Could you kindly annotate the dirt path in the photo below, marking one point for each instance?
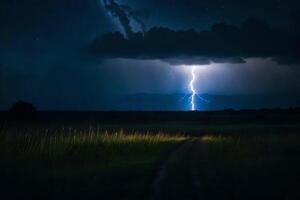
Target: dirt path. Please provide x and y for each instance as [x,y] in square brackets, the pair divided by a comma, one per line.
[230,169]
[177,177]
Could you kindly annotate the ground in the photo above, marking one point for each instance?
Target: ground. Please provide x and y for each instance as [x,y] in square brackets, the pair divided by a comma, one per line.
[165,155]
[231,168]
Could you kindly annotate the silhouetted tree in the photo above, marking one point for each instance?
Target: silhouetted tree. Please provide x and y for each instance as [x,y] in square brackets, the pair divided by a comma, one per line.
[22,110]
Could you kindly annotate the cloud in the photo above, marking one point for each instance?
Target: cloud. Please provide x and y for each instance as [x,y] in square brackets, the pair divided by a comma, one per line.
[139,16]
[186,60]
[222,43]
[126,15]
[116,10]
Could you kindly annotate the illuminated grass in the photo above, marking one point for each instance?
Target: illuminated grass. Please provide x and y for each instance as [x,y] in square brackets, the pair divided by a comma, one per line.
[85,164]
[85,146]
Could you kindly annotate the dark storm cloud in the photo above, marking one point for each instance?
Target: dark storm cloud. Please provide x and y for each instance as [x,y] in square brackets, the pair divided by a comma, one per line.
[116,10]
[183,14]
[223,43]
[202,60]
[125,14]
[138,16]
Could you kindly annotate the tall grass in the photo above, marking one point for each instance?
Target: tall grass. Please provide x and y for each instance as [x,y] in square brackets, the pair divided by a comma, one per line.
[89,146]
[73,164]
[251,146]
[251,167]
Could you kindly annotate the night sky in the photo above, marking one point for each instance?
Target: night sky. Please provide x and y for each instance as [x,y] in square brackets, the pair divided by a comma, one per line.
[137,55]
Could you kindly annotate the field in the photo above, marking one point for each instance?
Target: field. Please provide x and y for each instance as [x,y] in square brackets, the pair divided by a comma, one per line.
[165,155]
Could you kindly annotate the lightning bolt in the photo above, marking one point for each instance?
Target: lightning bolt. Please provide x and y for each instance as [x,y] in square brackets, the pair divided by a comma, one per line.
[192,89]
[193,93]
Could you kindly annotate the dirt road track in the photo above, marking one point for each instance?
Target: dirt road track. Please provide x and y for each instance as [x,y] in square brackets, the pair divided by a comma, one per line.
[177,177]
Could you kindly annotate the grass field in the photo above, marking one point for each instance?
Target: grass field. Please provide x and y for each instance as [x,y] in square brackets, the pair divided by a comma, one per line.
[235,167]
[80,165]
[220,158]
[260,167]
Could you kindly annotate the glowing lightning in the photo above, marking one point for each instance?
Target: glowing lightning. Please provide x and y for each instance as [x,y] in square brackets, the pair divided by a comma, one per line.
[192,88]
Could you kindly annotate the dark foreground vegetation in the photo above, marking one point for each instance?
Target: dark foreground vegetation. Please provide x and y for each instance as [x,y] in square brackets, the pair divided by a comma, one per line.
[151,155]
[79,165]
[213,167]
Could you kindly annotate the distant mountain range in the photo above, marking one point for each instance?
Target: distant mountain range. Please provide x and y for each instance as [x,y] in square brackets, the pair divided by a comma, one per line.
[167,102]
[205,102]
